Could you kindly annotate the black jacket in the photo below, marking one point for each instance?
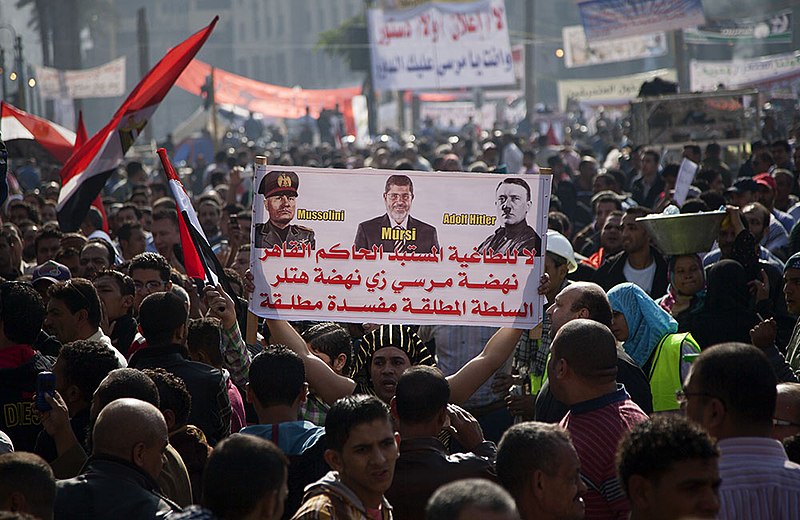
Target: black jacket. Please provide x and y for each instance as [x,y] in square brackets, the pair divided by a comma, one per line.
[111,488]
[369,234]
[612,273]
[17,386]
[211,408]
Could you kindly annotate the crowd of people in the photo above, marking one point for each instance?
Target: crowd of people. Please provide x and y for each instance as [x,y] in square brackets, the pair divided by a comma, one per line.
[658,387]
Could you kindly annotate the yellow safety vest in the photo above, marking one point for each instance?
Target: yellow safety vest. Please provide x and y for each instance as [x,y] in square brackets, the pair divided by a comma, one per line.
[665,372]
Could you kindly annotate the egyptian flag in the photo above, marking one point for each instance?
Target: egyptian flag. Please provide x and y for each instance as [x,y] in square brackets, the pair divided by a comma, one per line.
[29,136]
[80,139]
[88,169]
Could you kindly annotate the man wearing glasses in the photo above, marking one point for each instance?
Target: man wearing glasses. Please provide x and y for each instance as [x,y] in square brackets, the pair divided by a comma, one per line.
[397,230]
[150,273]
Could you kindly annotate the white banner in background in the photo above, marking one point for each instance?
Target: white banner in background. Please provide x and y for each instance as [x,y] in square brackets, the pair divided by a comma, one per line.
[580,53]
[708,75]
[441,45]
[107,80]
[599,90]
[470,257]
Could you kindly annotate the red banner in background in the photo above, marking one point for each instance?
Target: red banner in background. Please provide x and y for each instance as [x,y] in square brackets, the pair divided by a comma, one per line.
[267,99]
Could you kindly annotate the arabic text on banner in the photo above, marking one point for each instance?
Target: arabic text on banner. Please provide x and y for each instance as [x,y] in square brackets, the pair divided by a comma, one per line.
[580,53]
[439,45]
[770,28]
[707,75]
[467,250]
[107,80]
[608,90]
[608,19]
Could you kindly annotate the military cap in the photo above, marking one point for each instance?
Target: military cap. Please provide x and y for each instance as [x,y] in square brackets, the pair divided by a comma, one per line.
[279,183]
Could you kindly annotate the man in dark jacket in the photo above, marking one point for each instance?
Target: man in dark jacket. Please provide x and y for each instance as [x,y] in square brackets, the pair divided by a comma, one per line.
[421,411]
[638,262]
[164,323]
[21,317]
[119,481]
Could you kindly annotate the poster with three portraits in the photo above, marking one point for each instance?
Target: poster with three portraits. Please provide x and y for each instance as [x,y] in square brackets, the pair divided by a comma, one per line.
[385,246]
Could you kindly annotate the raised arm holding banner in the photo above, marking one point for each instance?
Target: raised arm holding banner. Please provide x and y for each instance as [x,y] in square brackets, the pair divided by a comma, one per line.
[446,248]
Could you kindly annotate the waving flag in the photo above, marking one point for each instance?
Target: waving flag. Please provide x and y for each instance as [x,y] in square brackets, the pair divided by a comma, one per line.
[29,136]
[80,138]
[88,169]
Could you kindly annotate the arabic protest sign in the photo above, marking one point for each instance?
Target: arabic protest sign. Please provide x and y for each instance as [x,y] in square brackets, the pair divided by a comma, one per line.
[580,53]
[466,251]
[107,80]
[608,90]
[775,28]
[441,45]
[608,19]
[708,75]
[685,178]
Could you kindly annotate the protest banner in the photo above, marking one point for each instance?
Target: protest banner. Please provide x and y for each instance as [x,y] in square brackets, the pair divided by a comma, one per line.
[609,19]
[472,257]
[707,75]
[608,90]
[107,80]
[579,53]
[769,28]
[685,179]
[441,45]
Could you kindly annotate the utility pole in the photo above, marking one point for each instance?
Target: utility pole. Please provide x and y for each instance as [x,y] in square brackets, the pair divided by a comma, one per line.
[144,56]
[3,71]
[20,75]
[530,58]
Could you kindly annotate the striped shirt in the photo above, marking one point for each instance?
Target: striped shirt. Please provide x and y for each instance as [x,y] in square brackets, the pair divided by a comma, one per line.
[758,480]
[596,427]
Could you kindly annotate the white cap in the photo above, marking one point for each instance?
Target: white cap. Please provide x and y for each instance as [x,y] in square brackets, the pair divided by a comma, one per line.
[558,244]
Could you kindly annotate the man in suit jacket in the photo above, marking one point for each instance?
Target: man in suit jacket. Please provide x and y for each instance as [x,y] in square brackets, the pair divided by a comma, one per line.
[279,189]
[396,230]
[513,200]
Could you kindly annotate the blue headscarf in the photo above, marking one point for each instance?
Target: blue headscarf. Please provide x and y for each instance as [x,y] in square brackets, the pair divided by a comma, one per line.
[647,322]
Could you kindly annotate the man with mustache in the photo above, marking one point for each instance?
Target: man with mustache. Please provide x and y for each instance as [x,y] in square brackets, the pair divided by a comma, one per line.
[513,200]
[279,189]
[397,230]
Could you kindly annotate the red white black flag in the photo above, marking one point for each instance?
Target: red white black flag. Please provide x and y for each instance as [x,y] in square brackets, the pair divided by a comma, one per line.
[88,169]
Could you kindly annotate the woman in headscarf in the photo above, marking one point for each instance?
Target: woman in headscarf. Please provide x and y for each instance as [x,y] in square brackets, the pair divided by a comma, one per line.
[649,335]
[686,291]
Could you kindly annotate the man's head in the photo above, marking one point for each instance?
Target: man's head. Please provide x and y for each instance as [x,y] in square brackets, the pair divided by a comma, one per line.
[73,310]
[398,195]
[668,469]
[635,237]
[786,420]
[163,319]
[27,485]
[421,397]
[791,284]
[116,291]
[471,498]
[245,477]
[150,273]
[208,214]
[743,192]
[166,234]
[781,152]
[716,398]
[134,431]
[174,399]
[513,200]
[579,300]
[583,361]
[92,221]
[47,244]
[204,340]
[757,217]
[538,465]
[611,234]
[331,343]
[279,189]
[277,379]
[362,446]
[96,255]
[21,312]
[80,367]
[123,382]
[559,259]
[650,162]
[767,187]
[762,162]
[48,273]
[129,214]
[132,240]
[604,203]
[693,153]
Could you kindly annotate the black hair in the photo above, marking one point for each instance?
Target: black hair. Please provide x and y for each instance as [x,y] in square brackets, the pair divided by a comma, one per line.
[518,182]
[652,447]
[30,475]
[781,143]
[422,392]
[48,231]
[240,471]
[205,334]
[166,214]
[525,448]
[126,382]
[331,339]
[172,394]
[22,311]
[94,218]
[398,180]
[30,209]
[694,206]
[160,315]
[451,499]
[132,207]
[153,261]
[78,294]
[123,281]
[277,376]
[86,363]
[719,372]
[111,254]
[349,412]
